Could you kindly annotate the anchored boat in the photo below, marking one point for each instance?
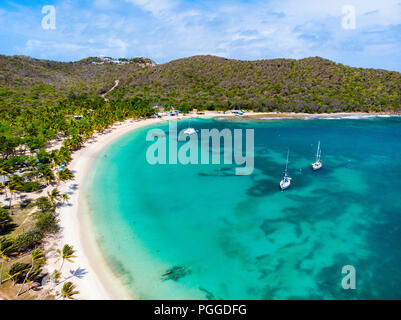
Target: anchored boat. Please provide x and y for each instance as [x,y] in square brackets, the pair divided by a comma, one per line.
[190,131]
[318,164]
[286,181]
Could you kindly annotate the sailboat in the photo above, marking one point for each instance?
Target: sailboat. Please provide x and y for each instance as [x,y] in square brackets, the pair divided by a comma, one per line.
[190,131]
[317,165]
[286,182]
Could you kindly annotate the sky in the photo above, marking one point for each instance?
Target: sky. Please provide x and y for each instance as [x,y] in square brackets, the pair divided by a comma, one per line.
[360,33]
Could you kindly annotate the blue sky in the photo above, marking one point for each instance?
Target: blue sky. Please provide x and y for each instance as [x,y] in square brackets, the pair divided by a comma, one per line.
[165,30]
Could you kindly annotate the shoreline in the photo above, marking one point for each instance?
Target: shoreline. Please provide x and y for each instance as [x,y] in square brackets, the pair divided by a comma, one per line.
[93,276]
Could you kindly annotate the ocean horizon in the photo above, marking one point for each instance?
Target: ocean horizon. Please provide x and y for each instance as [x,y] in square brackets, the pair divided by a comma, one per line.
[240,237]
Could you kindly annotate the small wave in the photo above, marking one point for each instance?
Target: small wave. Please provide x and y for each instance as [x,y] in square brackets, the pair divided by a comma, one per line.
[360,116]
[289,118]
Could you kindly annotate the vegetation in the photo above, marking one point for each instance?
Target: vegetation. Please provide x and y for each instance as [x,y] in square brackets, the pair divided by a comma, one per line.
[20,241]
[66,254]
[17,271]
[7,249]
[38,258]
[68,290]
[5,219]
[311,85]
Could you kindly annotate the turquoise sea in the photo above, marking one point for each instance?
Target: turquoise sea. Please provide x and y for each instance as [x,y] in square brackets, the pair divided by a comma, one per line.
[240,237]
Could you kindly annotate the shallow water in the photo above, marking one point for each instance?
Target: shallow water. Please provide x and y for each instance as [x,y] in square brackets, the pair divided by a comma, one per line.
[240,236]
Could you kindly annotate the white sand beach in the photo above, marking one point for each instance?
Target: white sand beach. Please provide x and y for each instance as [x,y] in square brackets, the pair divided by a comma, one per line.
[89,270]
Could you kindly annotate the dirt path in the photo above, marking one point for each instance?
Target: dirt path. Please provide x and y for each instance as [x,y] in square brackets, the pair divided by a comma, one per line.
[115,86]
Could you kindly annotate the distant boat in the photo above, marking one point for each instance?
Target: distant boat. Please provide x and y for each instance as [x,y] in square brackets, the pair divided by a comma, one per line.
[286,182]
[190,131]
[318,164]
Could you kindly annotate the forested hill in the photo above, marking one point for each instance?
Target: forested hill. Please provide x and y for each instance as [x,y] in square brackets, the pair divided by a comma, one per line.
[307,85]
[25,75]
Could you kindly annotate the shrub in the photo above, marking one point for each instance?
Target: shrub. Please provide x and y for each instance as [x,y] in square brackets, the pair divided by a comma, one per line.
[44,204]
[43,156]
[29,240]
[47,222]
[32,186]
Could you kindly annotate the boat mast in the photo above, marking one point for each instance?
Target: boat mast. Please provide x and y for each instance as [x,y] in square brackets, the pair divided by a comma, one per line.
[286,164]
[318,153]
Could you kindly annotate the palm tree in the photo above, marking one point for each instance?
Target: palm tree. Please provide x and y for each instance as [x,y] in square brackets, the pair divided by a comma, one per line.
[54,196]
[67,253]
[7,249]
[15,271]
[38,256]
[65,175]
[55,276]
[68,290]
[13,188]
[65,197]
[5,219]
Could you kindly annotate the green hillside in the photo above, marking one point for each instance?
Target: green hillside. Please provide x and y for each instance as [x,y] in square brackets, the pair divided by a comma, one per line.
[307,85]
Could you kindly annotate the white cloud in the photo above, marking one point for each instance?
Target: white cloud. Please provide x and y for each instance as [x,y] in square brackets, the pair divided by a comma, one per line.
[156,7]
[169,29]
[103,4]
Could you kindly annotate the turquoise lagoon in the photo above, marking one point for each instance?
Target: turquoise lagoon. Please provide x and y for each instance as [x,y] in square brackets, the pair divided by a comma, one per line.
[240,236]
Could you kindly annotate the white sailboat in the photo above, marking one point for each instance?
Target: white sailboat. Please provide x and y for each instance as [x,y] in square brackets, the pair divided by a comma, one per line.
[286,181]
[318,164]
[190,131]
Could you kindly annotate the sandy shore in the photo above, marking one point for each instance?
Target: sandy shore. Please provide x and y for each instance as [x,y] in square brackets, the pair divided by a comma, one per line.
[89,270]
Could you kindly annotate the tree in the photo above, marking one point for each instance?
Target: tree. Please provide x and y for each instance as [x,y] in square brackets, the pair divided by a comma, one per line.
[37,257]
[46,222]
[5,219]
[7,249]
[46,173]
[61,155]
[28,240]
[54,196]
[44,204]
[65,175]
[74,143]
[8,145]
[17,270]
[43,157]
[68,290]
[67,253]
[14,187]
[65,197]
